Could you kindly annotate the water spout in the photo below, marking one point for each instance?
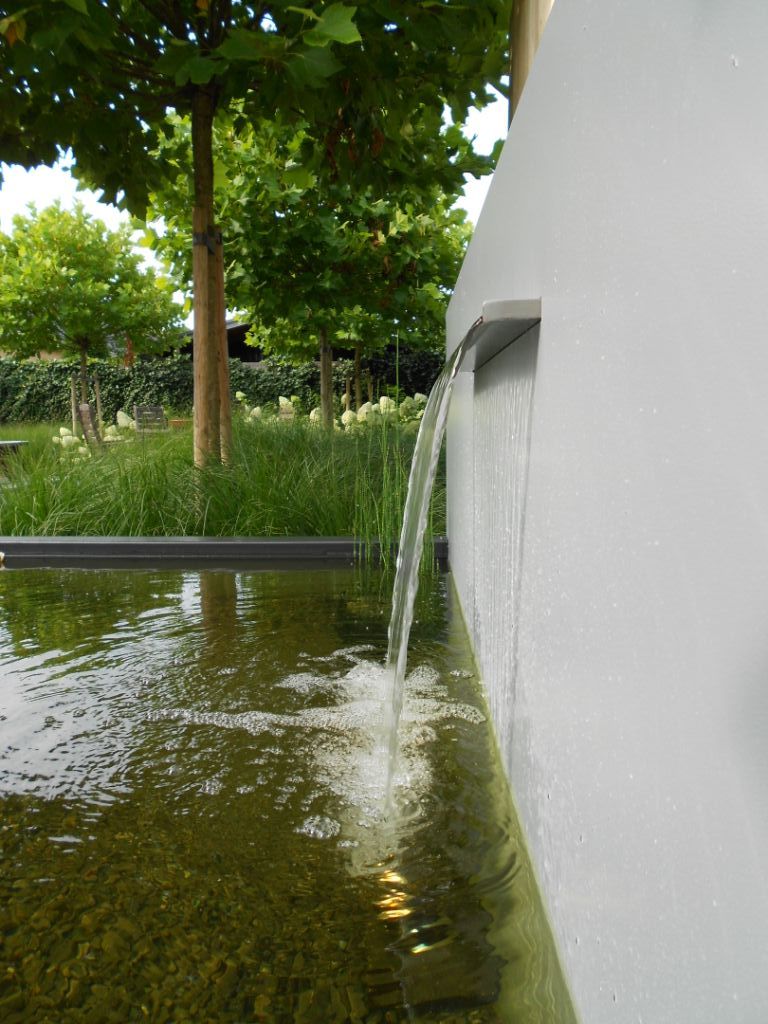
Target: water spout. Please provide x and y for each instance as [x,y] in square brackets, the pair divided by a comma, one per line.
[501,323]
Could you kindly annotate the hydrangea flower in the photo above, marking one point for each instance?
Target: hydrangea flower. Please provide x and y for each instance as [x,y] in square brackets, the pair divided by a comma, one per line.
[124,421]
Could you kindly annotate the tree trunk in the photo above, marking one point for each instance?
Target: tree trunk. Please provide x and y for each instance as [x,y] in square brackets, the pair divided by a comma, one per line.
[73,402]
[326,379]
[205,341]
[83,375]
[358,380]
[526,25]
[97,396]
[225,411]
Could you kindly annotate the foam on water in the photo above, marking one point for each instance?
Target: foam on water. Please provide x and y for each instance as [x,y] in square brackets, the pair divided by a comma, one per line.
[346,742]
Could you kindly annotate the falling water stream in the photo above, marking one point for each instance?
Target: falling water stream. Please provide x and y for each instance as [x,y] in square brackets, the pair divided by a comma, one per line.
[420,483]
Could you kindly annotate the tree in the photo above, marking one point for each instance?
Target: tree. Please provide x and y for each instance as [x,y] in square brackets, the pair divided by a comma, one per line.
[100,75]
[69,285]
[313,260]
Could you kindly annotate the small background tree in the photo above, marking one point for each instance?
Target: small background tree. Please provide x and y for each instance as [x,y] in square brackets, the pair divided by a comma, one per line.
[316,260]
[71,286]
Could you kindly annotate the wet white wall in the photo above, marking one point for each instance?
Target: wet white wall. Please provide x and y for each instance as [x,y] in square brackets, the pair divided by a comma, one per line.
[610,543]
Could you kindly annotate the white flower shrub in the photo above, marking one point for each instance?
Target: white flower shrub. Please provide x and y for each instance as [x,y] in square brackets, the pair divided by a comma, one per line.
[124,421]
[408,412]
[74,448]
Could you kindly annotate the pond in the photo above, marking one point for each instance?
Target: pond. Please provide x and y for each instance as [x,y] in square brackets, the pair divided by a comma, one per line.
[191,782]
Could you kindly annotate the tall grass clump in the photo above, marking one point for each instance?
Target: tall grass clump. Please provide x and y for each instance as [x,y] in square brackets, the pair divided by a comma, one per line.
[285,479]
[383,462]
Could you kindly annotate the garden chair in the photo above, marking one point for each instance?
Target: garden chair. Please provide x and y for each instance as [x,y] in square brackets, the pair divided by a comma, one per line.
[150,419]
[89,424]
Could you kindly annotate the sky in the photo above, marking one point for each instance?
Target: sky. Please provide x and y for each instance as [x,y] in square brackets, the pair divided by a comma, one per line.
[44,185]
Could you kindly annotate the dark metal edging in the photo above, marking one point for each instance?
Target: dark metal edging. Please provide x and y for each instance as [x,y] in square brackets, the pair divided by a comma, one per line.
[192,552]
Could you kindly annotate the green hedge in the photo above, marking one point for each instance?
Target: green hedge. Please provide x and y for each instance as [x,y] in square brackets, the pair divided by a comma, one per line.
[36,391]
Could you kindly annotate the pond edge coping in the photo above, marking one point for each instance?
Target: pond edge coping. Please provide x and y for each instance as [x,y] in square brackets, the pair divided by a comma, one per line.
[195,552]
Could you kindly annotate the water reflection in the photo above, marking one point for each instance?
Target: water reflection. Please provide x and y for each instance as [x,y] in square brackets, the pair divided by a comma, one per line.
[191,781]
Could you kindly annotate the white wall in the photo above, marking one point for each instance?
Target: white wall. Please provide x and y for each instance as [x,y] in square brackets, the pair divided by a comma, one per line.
[632,702]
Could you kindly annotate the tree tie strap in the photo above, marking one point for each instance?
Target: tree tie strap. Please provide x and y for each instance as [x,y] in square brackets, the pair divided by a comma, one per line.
[210,239]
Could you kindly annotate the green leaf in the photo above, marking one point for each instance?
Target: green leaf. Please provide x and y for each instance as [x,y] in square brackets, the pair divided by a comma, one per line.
[244,44]
[305,11]
[335,25]
[300,177]
[312,65]
[53,36]
[241,44]
[496,151]
[175,56]
[198,70]
[220,177]
[78,5]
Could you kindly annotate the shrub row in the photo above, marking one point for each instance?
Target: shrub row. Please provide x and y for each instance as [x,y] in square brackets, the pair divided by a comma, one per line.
[37,391]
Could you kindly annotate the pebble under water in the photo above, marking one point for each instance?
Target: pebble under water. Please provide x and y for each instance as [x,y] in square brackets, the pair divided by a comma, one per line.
[192,773]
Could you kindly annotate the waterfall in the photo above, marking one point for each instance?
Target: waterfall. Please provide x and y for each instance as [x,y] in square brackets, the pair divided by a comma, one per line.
[420,483]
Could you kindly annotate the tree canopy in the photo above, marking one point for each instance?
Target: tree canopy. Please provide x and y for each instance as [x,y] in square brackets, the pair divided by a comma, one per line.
[309,257]
[70,285]
[84,73]
[99,76]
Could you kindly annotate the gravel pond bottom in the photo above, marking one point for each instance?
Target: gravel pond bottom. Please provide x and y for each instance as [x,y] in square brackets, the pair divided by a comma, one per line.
[192,775]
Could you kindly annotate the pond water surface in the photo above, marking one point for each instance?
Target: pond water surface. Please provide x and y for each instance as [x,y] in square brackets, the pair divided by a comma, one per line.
[192,771]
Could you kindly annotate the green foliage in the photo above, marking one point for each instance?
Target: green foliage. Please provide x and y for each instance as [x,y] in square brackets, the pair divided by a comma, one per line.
[286,479]
[370,80]
[410,370]
[99,76]
[310,255]
[69,285]
[37,391]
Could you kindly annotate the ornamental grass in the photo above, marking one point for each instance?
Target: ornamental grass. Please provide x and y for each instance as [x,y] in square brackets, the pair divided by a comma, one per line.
[286,478]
